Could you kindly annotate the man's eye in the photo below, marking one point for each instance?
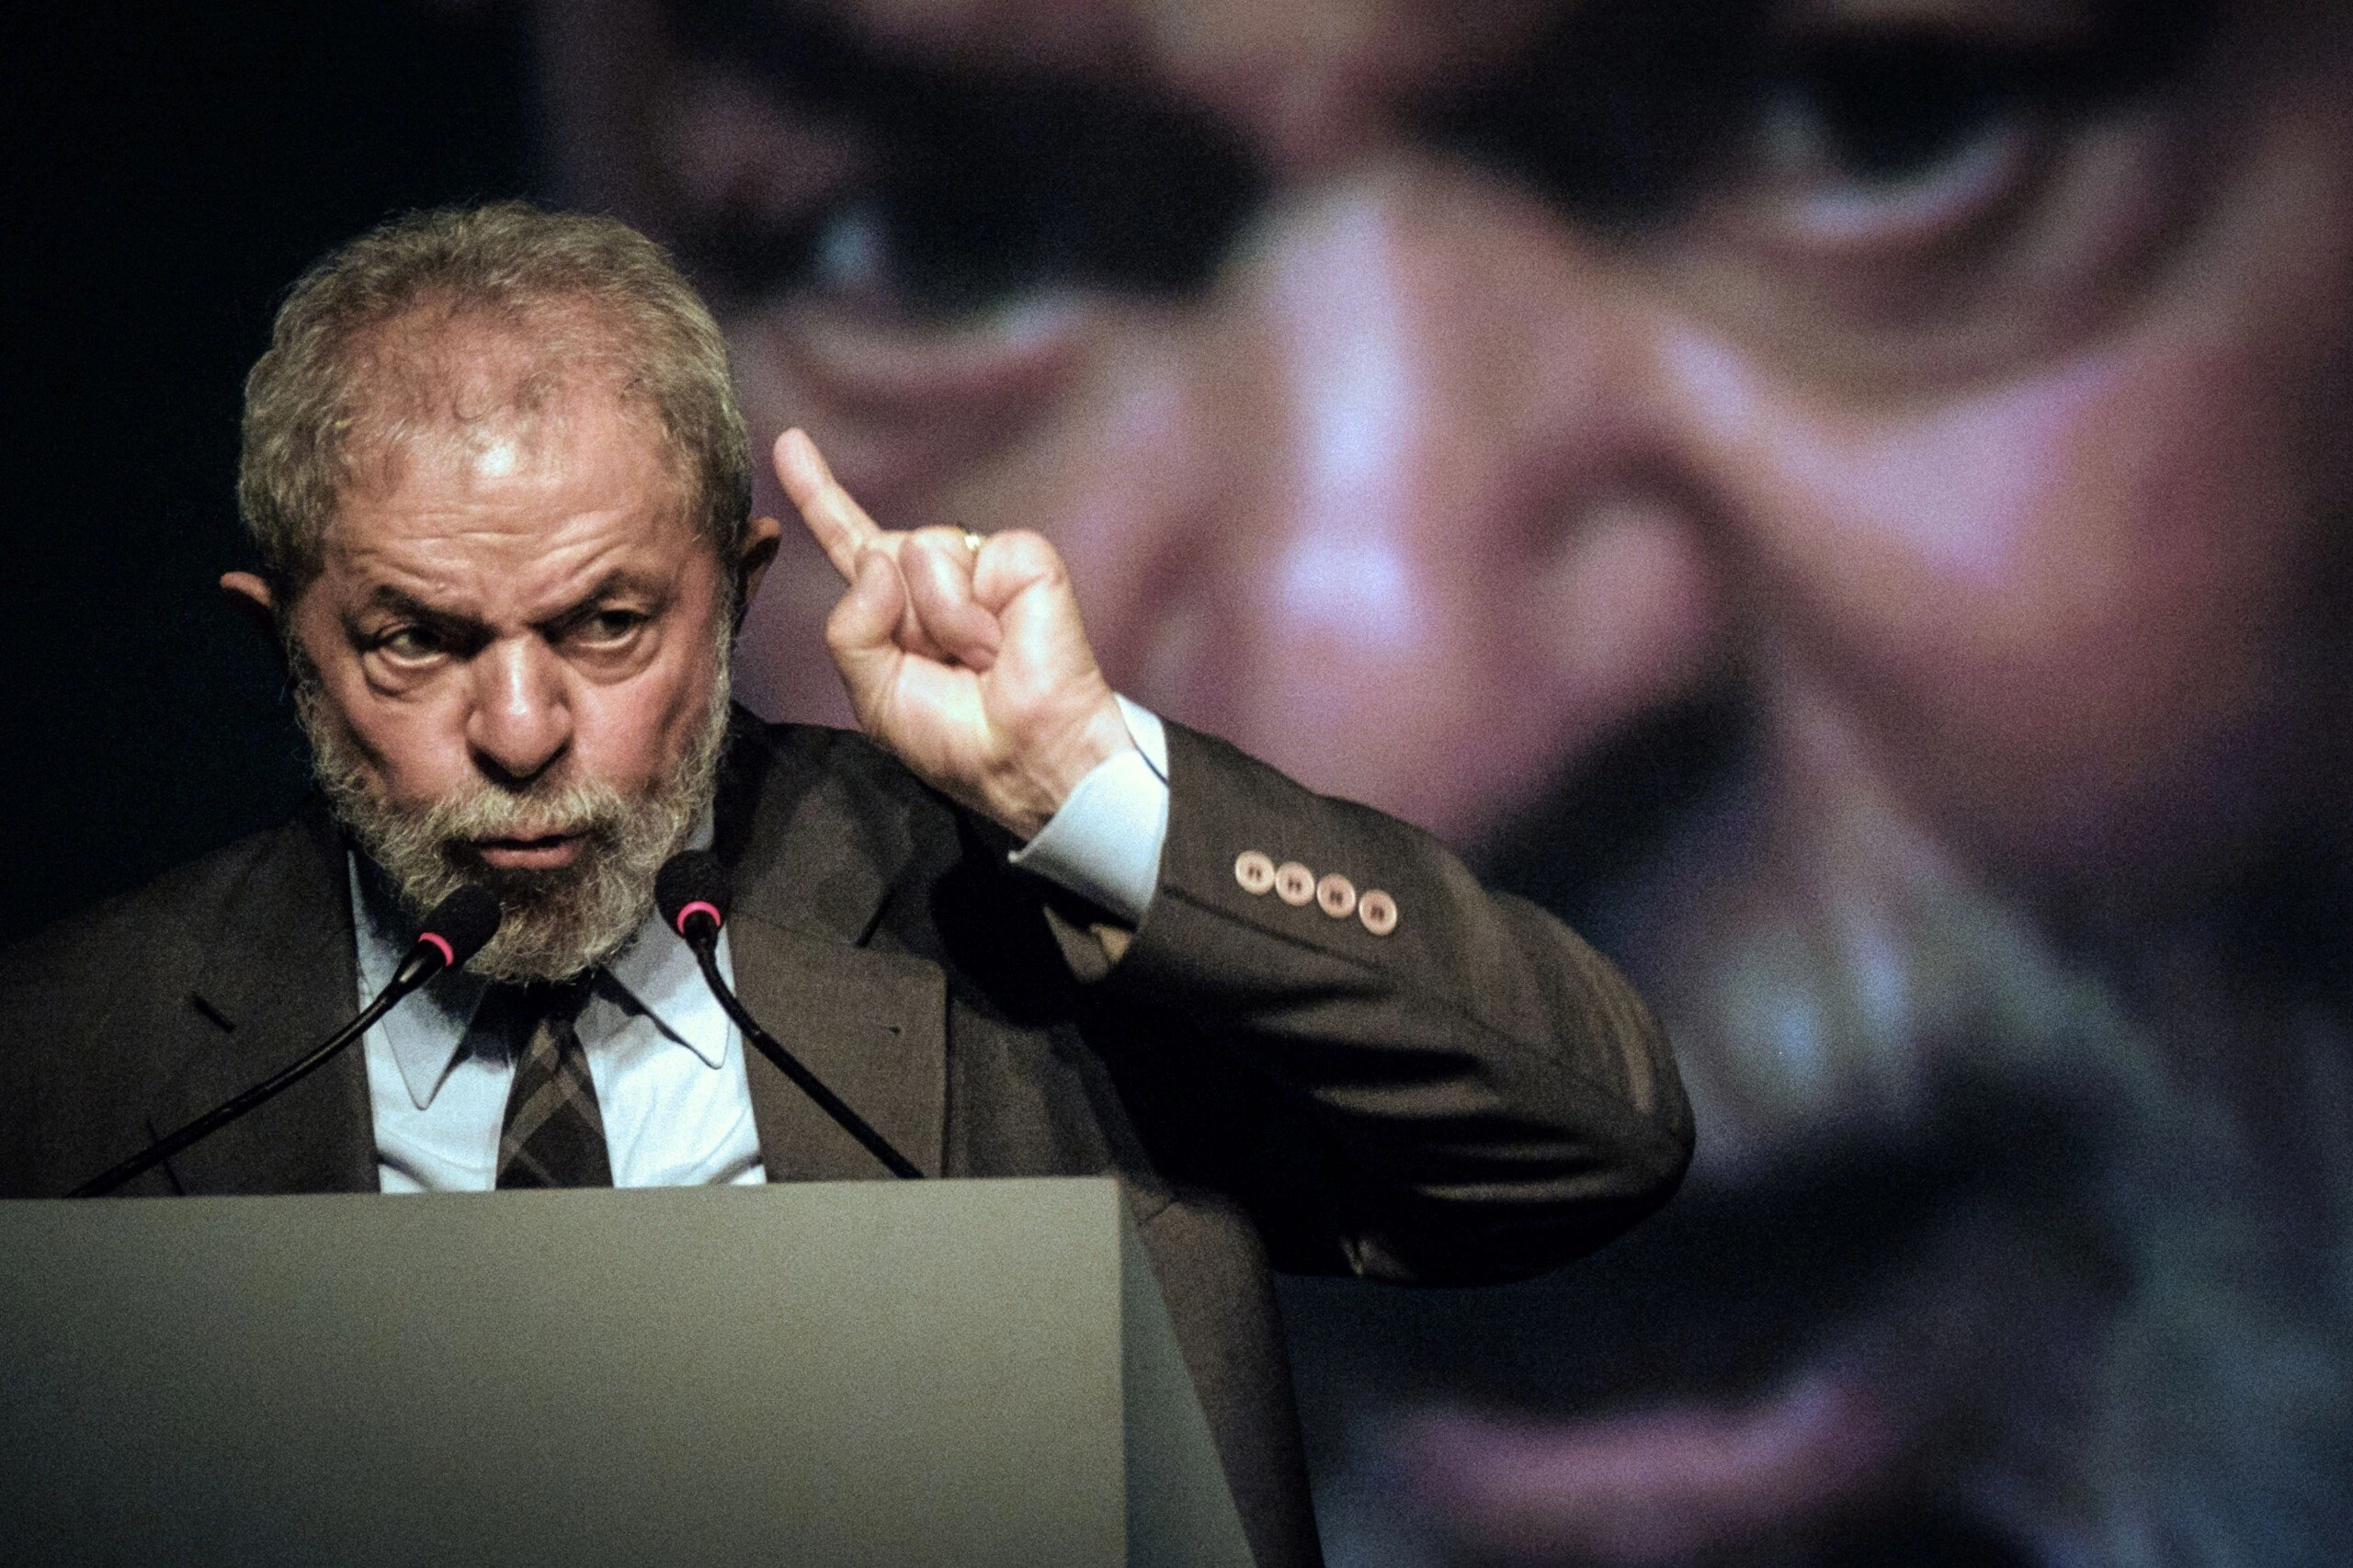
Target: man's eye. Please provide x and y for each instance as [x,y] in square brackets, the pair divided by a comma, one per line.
[979,190]
[1904,136]
[1635,109]
[1896,112]
[410,644]
[1895,141]
[978,212]
[607,626]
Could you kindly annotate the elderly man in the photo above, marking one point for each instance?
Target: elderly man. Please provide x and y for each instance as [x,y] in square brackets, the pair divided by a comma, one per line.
[495,469]
[1847,498]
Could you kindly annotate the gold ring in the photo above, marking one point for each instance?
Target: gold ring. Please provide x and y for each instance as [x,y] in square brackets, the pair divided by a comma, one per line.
[973,541]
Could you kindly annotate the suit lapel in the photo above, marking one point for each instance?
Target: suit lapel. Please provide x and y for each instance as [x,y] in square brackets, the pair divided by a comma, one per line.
[822,856]
[869,1025]
[281,976]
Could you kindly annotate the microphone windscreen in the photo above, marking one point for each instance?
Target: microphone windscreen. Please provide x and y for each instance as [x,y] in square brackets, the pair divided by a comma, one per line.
[466,919]
[688,878]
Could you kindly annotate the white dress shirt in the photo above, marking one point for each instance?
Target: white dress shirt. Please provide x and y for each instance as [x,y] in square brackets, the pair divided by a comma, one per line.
[667,1063]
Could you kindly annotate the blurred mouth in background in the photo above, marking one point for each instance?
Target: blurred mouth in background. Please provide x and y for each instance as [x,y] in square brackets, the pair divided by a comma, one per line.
[1803,1369]
[1795,1360]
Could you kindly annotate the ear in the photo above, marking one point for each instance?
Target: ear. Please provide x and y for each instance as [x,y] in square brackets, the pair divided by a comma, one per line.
[759,551]
[252,598]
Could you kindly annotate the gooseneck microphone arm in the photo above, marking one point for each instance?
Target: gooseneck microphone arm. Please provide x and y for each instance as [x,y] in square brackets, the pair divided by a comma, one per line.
[692,893]
[454,932]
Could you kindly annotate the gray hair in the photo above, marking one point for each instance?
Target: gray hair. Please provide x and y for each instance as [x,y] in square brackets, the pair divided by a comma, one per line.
[579,288]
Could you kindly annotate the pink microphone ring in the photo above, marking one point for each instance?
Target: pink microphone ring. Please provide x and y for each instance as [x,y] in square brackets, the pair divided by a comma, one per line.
[448,953]
[707,908]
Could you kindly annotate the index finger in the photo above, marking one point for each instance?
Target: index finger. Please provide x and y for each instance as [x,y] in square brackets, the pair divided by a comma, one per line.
[840,525]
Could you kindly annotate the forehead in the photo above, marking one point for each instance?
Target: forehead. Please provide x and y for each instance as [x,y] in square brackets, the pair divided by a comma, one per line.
[1173,36]
[445,368]
[1108,33]
[1308,84]
[463,404]
[1267,65]
[480,452]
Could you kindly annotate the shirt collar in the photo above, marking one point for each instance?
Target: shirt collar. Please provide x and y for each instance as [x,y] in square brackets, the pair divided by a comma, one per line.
[457,1013]
[656,977]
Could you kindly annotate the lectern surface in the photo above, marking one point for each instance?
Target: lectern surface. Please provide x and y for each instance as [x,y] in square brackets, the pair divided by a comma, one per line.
[869,1372]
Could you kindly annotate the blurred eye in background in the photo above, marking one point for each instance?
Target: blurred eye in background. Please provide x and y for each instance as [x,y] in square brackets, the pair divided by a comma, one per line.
[1869,140]
[969,193]
[1871,191]
[1634,112]
[1879,134]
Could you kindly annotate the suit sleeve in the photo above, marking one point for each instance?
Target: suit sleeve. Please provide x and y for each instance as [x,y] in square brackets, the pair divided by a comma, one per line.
[1472,1093]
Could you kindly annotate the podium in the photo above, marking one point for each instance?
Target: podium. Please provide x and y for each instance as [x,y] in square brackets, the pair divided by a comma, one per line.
[967,1372]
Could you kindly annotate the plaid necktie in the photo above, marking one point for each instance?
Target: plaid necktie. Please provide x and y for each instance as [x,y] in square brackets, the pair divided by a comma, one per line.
[554,1135]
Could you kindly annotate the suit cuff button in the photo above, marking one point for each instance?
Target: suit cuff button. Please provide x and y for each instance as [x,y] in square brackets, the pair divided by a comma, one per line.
[1254,872]
[1378,911]
[1294,883]
[1338,896]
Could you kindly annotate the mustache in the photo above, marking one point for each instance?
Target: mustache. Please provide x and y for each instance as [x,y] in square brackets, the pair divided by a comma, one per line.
[587,808]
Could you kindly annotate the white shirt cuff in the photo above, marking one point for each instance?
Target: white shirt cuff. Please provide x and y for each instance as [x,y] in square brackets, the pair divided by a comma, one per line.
[1104,845]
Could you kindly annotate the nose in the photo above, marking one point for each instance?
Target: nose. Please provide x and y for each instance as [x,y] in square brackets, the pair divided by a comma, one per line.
[1444,557]
[519,724]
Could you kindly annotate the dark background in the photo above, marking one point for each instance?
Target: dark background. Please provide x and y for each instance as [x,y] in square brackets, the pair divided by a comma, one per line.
[173,171]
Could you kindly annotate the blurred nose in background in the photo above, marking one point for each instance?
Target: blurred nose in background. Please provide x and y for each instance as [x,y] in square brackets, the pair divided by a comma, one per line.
[1434,555]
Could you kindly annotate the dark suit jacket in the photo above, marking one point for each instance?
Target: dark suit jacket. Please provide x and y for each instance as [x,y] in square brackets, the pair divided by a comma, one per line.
[1474,1096]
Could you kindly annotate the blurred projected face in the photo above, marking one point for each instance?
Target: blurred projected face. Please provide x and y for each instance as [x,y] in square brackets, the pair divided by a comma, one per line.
[1794,484]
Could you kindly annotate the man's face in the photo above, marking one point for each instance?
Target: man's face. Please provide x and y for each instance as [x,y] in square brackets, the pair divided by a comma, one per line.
[514,650]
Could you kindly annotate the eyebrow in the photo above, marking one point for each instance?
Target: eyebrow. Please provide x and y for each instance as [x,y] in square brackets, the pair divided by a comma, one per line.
[403,603]
[619,581]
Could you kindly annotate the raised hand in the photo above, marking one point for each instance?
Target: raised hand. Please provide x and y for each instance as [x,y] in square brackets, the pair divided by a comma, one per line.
[964,655]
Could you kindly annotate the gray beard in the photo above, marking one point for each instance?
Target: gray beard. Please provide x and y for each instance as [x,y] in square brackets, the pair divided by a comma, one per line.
[2186,1415]
[556,923]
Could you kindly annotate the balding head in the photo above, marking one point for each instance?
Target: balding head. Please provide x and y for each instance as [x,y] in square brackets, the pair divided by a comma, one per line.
[461,333]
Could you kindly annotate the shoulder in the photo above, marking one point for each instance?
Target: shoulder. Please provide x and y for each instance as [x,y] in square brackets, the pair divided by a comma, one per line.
[790,753]
[828,833]
[784,781]
[164,926]
[101,1009]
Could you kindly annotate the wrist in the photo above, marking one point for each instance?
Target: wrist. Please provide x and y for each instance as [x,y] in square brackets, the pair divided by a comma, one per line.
[1058,765]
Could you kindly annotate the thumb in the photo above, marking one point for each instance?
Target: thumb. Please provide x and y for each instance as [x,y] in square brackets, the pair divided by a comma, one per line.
[861,632]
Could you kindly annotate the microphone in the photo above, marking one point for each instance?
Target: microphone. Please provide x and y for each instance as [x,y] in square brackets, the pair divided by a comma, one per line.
[455,930]
[692,889]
